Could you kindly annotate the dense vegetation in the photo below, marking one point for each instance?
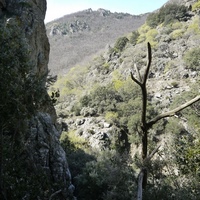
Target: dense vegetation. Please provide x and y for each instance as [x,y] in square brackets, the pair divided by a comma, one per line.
[167,14]
[104,90]
[22,93]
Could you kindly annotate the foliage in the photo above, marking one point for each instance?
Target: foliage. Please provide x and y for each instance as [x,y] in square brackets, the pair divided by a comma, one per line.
[22,180]
[151,37]
[110,177]
[134,37]
[147,34]
[76,149]
[194,26]
[21,91]
[192,59]
[167,14]
[117,80]
[142,31]
[189,154]
[120,43]
[103,98]
[166,181]
[22,94]
[196,6]
[119,101]
[111,116]
[70,84]
[176,34]
[105,175]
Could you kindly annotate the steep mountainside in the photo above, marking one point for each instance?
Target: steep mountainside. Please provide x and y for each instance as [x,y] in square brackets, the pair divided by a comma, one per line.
[99,108]
[77,37]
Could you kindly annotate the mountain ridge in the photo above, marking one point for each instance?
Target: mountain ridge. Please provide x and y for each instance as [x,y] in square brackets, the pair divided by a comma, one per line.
[81,35]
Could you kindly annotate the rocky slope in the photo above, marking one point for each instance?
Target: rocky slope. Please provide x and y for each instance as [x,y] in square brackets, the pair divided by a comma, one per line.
[169,76]
[39,152]
[75,38]
[100,104]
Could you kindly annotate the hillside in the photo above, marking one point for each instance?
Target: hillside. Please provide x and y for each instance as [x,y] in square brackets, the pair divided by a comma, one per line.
[99,109]
[75,38]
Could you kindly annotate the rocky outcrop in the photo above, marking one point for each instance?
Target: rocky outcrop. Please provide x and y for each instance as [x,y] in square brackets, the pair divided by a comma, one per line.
[41,146]
[76,26]
[45,153]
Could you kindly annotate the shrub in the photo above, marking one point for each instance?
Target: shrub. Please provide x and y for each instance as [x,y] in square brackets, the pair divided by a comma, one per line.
[196,6]
[134,37]
[111,116]
[177,34]
[104,98]
[85,100]
[167,14]
[192,58]
[146,33]
[121,43]
[110,177]
[194,26]
[153,20]
[117,80]
[151,37]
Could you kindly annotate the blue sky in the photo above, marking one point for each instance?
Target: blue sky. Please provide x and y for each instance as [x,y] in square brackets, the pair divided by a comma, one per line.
[59,8]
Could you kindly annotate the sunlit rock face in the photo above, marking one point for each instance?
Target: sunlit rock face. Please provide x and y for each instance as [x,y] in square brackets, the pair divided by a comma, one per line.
[42,148]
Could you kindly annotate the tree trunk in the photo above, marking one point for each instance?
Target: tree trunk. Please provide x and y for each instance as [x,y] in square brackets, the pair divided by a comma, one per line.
[145,126]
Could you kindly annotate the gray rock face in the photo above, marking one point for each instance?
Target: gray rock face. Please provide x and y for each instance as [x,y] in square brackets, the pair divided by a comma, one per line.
[31,14]
[67,29]
[44,152]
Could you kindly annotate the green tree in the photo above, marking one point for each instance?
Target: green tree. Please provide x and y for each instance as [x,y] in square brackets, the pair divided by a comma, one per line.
[134,37]
[121,43]
[167,14]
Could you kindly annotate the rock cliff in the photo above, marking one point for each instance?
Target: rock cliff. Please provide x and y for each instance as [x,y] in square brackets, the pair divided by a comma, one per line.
[40,150]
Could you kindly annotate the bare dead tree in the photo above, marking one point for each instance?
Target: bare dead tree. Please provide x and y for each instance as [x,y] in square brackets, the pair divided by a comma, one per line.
[147,125]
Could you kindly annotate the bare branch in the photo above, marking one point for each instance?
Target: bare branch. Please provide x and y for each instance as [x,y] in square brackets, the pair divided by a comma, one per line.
[173,112]
[54,194]
[135,80]
[138,73]
[149,63]
[153,153]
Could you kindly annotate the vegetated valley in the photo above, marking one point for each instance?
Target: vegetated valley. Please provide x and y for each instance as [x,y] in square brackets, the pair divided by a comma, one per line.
[99,107]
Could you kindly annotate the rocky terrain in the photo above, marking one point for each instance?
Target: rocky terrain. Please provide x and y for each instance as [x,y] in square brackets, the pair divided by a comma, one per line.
[169,75]
[99,105]
[97,125]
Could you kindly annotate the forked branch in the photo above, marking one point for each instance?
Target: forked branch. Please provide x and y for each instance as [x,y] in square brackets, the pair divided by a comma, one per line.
[142,81]
[173,112]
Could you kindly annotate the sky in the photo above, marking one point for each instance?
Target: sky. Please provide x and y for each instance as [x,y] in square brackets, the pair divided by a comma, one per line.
[59,8]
